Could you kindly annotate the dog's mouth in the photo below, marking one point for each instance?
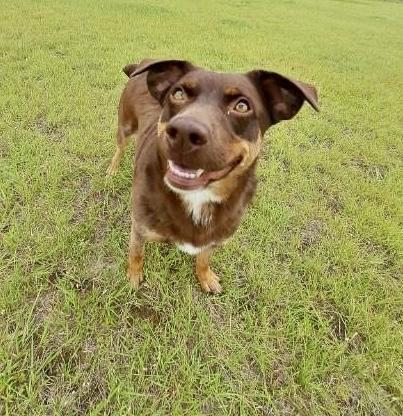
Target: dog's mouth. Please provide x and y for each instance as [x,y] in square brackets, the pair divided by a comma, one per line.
[190,179]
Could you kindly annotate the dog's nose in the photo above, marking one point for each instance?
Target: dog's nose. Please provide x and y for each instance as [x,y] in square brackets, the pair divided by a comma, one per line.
[186,131]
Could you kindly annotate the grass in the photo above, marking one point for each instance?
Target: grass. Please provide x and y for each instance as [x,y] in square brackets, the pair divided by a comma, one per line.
[311,319]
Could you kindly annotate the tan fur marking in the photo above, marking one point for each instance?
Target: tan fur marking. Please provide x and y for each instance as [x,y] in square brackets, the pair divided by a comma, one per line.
[115,162]
[135,268]
[249,152]
[232,91]
[209,281]
[150,235]
[121,143]
[189,84]
[136,256]
[161,127]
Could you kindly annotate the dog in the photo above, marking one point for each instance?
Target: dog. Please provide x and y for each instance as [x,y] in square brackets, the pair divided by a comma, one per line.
[198,138]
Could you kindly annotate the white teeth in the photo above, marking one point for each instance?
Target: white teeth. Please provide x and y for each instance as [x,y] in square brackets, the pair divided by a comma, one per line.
[181,173]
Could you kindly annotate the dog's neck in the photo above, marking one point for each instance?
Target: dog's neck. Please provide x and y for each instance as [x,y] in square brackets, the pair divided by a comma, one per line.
[198,203]
[201,204]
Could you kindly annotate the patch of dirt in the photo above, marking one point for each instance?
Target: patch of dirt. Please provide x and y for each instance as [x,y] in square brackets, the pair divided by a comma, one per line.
[4,150]
[338,326]
[333,202]
[251,370]
[45,304]
[390,257]
[58,272]
[339,329]
[311,233]
[395,395]
[265,410]
[278,375]
[209,408]
[328,143]
[146,313]
[191,342]
[89,346]
[47,129]
[91,392]
[361,403]
[285,165]
[80,203]
[74,398]
[85,284]
[352,405]
[216,310]
[334,205]
[357,343]
[320,169]
[337,321]
[284,408]
[374,171]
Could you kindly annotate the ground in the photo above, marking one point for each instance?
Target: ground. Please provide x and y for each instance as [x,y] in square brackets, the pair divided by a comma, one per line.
[310,321]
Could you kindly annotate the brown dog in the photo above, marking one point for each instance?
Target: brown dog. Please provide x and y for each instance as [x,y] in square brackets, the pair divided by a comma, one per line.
[198,137]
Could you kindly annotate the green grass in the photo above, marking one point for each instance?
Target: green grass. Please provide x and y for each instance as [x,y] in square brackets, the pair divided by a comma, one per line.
[310,322]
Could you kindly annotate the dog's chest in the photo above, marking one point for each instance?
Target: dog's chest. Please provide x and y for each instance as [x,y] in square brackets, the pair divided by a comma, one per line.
[198,205]
[193,220]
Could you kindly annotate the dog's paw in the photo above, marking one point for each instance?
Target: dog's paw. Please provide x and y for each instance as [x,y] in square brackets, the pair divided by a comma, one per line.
[135,278]
[209,282]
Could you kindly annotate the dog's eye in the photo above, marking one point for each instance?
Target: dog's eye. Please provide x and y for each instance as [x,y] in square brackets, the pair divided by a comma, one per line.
[242,106]
[178,94]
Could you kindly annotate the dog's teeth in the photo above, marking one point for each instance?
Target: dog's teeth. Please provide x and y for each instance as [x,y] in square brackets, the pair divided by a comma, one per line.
[181,173]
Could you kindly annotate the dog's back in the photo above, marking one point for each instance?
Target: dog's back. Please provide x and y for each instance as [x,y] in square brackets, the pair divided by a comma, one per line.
[137,108]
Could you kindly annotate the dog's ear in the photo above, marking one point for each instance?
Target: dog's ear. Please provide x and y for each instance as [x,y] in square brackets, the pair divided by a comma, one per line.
[161,74]
[283,97]
[131,68]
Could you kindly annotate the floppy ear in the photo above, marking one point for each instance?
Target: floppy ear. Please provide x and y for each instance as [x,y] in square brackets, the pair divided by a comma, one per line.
[161,74]
[131,68]
[283,97]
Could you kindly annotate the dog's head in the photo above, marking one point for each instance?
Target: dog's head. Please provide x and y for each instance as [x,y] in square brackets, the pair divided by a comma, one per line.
[212,124]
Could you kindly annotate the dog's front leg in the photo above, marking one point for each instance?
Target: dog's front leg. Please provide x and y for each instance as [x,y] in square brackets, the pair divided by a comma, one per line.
[136,256]
[209,281]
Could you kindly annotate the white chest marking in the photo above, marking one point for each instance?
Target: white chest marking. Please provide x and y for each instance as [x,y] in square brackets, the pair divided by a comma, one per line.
[190,249]
[195,203]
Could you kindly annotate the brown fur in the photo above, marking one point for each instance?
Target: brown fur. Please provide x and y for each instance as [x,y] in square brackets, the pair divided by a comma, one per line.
[223,141]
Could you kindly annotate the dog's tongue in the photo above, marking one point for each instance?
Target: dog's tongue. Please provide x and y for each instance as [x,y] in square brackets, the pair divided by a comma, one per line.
[188,179]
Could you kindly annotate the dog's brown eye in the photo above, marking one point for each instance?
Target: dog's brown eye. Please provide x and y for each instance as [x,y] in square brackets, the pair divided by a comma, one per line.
[178,94]
[242,106]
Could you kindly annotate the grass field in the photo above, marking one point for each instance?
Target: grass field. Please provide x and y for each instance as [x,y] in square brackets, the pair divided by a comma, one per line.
[310,321]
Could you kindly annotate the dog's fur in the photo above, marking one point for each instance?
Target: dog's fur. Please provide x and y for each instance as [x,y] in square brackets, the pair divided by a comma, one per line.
[196,119]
